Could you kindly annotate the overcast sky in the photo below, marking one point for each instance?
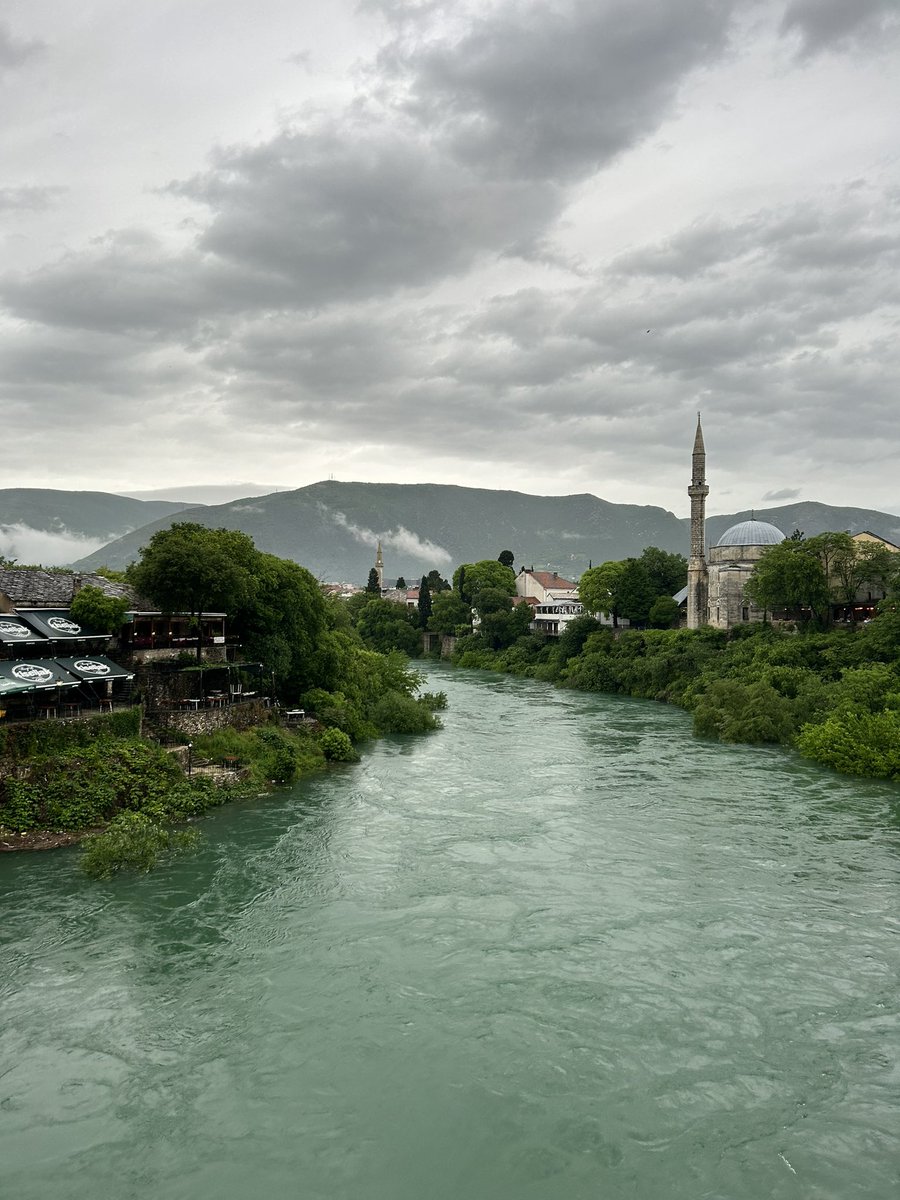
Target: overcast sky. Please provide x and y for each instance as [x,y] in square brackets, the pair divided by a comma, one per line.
[510,244]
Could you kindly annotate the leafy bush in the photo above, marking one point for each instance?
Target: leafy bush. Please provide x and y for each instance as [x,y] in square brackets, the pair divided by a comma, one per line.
[88,786]
[741,712]
[397,713]
[132,841]
[92,607]
[268,753]
[857,743]
[47,738]
[337,747]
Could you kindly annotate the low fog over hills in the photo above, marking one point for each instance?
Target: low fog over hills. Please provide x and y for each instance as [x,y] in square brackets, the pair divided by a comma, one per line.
[43,525]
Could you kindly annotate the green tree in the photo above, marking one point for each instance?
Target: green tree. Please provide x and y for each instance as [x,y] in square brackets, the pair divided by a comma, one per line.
[92,607]
[861,566]
[829,549]
[502,623]
[788,576]
[401,583]
[282,622]
[857,743]
[506,557]
[189,568]
[436,583]
[385,626]
[664,613]
[372,585]
[424,602]
[448,612]
[635,592]
[598,589]
[490,600]
[667,572]
[471,578]
[572,639]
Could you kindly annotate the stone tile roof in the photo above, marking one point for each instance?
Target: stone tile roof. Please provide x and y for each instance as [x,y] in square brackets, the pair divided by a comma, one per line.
[34,587]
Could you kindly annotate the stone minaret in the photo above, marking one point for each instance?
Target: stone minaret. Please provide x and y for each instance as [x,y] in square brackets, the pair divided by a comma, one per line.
[379,567]
[697,573]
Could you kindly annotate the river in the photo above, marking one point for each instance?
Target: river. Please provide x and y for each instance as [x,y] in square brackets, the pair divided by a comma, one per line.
[558,950]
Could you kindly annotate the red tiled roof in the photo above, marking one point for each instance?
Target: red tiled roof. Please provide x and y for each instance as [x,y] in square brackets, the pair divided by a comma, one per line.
[549,579]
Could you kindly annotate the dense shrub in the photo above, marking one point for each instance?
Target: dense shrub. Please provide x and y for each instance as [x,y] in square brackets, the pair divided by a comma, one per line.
[40,738]
[132,841]
[399,713]
[267,754]
[857,743]
[337,747]
[743,712]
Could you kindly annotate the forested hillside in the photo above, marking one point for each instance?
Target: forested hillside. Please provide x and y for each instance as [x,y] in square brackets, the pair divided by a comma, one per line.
[332,528]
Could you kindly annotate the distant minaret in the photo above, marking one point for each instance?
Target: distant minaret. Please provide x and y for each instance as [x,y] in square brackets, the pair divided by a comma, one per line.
[379,567]
[697,574]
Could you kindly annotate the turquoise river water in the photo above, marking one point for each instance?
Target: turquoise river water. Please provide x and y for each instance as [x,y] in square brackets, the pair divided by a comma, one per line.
[558,950]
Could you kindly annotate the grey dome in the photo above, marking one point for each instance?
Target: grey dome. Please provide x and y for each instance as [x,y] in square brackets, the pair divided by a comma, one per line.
[751,533]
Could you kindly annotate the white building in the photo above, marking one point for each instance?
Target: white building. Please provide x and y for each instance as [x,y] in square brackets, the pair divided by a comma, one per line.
[554,600]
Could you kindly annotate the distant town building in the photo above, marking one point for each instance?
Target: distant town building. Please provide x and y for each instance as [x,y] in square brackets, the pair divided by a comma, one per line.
[379,567]
[554,601]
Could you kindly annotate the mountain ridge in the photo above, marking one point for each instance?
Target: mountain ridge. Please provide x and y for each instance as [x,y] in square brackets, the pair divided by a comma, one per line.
[332,527]
[54,524]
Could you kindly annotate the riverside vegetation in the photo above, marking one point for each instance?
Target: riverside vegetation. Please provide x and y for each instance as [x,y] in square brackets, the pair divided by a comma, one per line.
[101,778]
[833,694]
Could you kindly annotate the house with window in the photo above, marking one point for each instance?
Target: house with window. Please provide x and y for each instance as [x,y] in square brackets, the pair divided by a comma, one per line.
[554,600]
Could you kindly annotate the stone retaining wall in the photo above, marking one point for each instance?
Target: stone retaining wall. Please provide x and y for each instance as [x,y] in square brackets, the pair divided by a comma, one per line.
[207,720]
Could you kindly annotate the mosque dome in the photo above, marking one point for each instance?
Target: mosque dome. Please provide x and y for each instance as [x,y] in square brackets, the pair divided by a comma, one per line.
[751,533]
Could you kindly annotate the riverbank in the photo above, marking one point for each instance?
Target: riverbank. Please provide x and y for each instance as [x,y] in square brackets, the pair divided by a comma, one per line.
[832,696]
[65,782]
[61,784]
[42,840]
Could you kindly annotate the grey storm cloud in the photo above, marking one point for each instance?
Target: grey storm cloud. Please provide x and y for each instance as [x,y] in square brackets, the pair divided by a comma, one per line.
[854,234]
[539,91]
[355,278]
[784,324]
[401,192]
[825,24]
[347,213]
[128,282]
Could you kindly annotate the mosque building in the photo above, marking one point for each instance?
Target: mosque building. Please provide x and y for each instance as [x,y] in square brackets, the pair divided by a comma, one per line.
[715,592]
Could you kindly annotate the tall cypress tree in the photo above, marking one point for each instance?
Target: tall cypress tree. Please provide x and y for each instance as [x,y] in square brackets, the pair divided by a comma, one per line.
[372,585]
[424,602]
